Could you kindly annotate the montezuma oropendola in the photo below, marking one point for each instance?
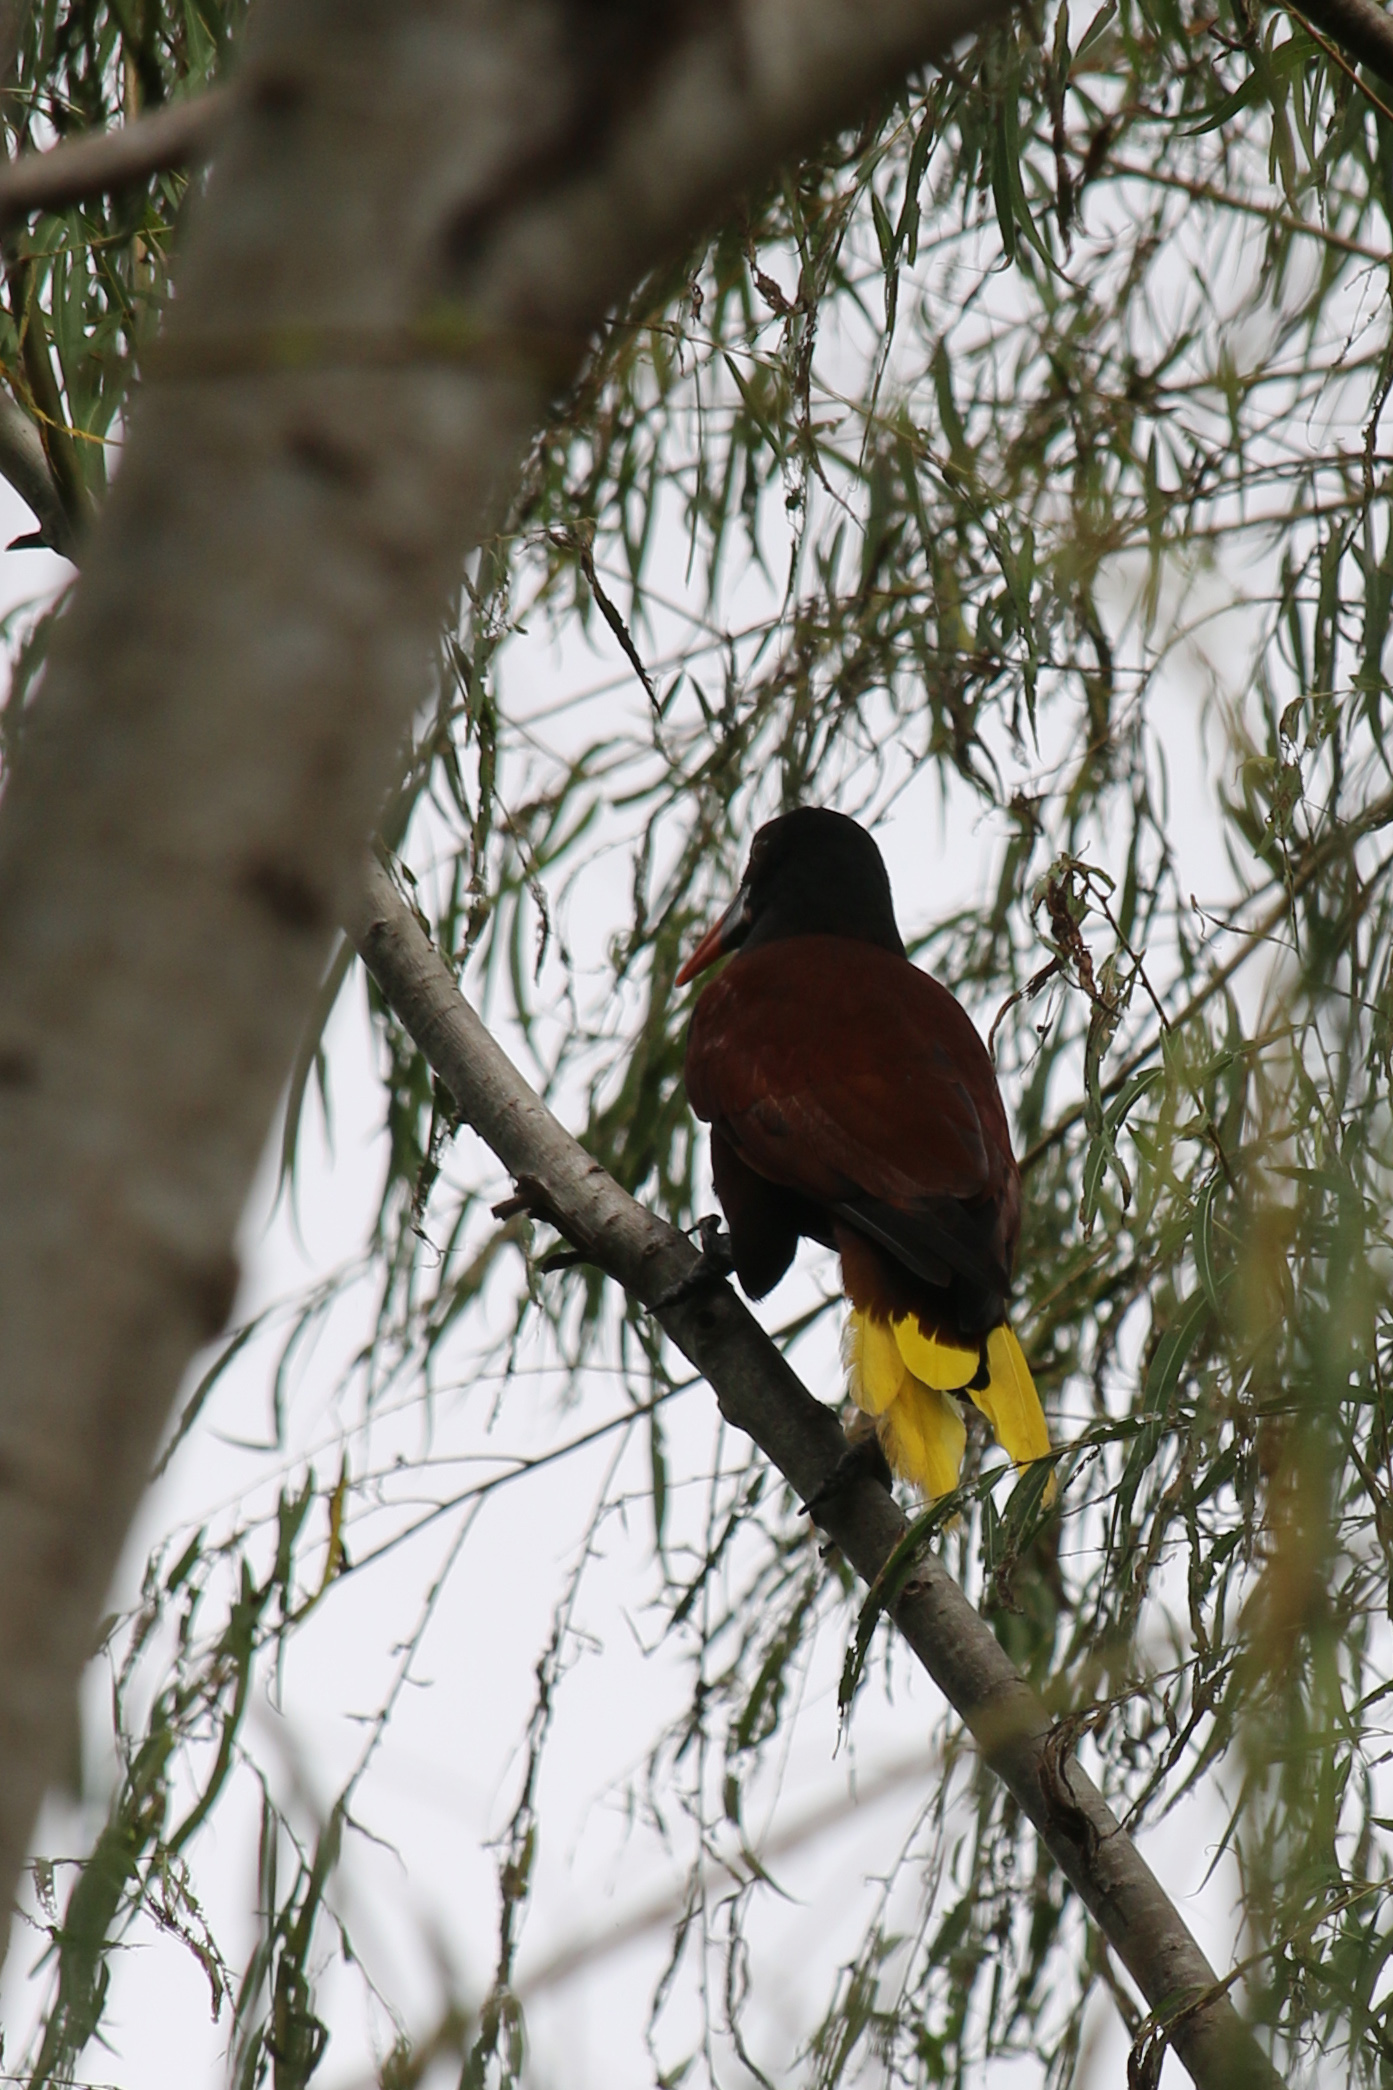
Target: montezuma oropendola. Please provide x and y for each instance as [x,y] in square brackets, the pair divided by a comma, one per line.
[851,1100]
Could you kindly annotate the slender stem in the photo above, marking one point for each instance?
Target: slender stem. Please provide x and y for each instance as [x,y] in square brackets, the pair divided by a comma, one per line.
[1209,192]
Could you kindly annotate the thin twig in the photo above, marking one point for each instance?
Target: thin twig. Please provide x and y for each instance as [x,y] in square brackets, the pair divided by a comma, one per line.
[594,1944]
[1209,192]
[1375,816]
[759,1394]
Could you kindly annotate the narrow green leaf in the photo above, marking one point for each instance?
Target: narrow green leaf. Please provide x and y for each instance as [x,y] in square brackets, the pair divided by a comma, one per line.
[1204,1243]
[1187,1324]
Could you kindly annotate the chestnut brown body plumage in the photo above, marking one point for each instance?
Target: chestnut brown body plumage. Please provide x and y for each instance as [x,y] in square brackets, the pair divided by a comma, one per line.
[852,1101]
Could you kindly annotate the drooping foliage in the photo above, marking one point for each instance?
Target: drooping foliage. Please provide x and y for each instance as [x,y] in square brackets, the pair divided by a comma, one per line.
[1014,470]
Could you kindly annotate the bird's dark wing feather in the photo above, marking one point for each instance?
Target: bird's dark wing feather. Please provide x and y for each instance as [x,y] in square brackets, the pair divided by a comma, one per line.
[764,1219]
[939,1237]
[845,1074]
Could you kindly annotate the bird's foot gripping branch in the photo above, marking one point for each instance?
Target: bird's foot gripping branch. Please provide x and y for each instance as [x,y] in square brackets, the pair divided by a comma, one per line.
[715,1263]
[760,1394]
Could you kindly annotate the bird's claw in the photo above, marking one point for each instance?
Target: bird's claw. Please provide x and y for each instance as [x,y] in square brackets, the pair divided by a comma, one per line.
[715,1264]
[863,1459]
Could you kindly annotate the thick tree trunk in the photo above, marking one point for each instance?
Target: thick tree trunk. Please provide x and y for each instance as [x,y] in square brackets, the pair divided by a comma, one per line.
[420,209]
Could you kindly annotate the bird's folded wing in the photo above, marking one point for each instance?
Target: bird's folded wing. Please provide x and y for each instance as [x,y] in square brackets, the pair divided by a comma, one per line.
[933,1236]
[843,1073]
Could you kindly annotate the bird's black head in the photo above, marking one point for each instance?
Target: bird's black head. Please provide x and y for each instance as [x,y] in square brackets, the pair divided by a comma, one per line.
[812,872]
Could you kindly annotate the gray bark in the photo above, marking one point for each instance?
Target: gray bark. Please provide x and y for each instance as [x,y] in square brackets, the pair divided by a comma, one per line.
[419,211]
[759,1393]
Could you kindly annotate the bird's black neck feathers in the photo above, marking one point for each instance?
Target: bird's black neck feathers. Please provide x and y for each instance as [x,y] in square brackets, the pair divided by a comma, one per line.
[817,873]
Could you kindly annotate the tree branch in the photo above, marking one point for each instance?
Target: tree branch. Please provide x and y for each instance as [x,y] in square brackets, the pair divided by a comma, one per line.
[759,1393]
[1364,28]
[179,135]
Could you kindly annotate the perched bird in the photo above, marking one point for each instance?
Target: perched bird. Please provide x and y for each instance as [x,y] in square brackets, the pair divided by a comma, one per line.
[851,1100]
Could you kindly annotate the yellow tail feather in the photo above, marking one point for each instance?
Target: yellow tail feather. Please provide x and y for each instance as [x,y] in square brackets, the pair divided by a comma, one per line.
[876,1372]
[1011,1404]
[905,1379]
[920,1428]
[948,1366]
[923,1435]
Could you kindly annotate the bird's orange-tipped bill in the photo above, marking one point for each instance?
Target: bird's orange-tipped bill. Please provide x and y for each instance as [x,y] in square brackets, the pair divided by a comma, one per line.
[1011,1404]
[722,936]
[706,953]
